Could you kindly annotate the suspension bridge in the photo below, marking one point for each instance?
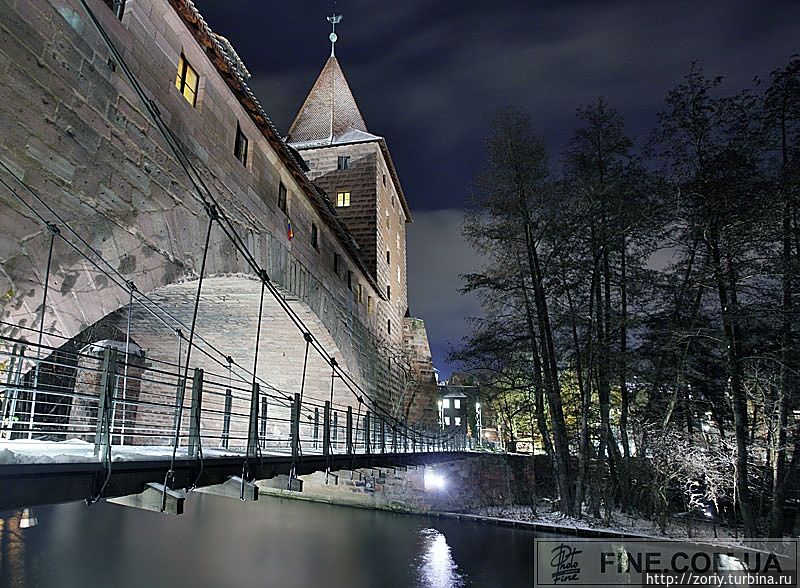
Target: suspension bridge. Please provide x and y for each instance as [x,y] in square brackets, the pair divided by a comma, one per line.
[174,314]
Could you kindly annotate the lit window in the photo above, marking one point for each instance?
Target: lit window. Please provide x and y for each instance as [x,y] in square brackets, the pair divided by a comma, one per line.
[240,146]
[360,293]
[282,197]
[186,81]
[447,420]
[387,218]
[314,236]
[369,304]
[398,274]
[456,403]
[446,403]
[343,162]
[457,420]
[342,199]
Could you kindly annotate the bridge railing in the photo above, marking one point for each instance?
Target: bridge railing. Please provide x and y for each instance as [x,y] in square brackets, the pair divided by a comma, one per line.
[106,403]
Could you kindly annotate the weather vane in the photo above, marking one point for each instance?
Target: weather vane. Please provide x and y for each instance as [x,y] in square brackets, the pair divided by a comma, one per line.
[334,19]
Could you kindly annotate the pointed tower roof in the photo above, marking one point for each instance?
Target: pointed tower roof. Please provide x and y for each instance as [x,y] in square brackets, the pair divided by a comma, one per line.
[329,114]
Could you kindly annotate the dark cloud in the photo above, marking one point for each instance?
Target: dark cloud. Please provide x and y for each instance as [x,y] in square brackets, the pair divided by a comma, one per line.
[428,76]
[437,256]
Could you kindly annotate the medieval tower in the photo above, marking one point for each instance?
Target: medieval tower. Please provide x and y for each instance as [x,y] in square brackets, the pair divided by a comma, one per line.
[355,169]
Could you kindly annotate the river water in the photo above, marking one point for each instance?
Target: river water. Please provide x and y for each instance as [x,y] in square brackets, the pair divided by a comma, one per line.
[225,543]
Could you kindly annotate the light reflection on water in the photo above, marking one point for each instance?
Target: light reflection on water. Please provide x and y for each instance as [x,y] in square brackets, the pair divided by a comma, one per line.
[223,543]
[436,567]
[12,551]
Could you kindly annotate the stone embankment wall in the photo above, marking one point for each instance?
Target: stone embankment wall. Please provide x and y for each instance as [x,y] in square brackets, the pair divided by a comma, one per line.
[453,486]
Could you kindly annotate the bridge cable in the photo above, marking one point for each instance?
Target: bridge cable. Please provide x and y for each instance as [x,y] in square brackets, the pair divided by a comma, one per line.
[169,478]
[187,165]
[196,180]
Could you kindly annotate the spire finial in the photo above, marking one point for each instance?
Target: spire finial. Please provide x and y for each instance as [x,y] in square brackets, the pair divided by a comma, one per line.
[334,19]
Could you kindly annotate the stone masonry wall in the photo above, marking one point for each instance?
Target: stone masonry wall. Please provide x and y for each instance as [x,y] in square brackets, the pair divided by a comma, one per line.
[76,133]
[420,399]
[469,483]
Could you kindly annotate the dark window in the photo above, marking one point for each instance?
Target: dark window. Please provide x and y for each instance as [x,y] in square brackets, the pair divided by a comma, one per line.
[240,146]
[282,197]
[187,80]
[349,280]
[389,326]
[387,257]
[388,292]
[314,237]
[336,263]
[343,162]
[118,6]
[384,180]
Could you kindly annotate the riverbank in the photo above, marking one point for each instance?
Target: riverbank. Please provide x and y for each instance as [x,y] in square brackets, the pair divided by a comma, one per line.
[620,525]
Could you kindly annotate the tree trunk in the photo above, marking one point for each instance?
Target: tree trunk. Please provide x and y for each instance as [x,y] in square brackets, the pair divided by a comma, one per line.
[623,351]
[726,289]
[585,391]
[538,384]
[779,473]
[559,428]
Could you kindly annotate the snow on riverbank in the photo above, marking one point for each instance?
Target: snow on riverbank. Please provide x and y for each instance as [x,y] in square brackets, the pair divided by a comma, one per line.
[544,514]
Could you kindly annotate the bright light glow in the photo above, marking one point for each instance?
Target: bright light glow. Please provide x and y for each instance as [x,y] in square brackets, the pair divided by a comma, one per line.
[28,519]
[477,406]
[434,481]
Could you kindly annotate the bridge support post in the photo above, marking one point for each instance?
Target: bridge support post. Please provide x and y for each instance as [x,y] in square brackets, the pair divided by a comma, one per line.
[252,429]
[195,412]
[413,438]
[335,435]
[405,436]
[394,438]
[108,380]
[262,420]
[350,430]
[367,444]
[226,418]
[295,430]
[383,435]
[326,429]
[316,427]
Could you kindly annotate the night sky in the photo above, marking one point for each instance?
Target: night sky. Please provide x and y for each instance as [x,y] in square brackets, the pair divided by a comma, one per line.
[428,75]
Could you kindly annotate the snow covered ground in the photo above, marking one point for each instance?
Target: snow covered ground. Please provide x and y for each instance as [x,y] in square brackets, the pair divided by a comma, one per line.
[677,528]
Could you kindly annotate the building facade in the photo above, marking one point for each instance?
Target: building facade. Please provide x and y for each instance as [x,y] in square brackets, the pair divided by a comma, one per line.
[105,104]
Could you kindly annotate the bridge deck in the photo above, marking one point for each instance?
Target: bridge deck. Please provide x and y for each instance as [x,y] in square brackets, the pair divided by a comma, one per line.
[46,483]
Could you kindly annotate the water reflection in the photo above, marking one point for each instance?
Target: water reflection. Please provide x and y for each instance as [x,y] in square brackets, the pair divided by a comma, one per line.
[436,566]
[226,543]
[12,552]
